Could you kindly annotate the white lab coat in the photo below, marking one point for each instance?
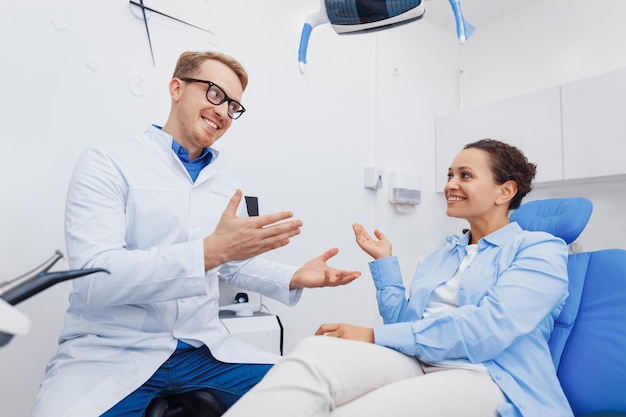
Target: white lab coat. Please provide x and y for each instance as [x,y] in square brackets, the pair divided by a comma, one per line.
[133,209]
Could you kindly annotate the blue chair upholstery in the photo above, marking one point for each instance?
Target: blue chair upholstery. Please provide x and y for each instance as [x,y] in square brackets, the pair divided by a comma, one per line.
[565,218]
[588,343]
[562,217]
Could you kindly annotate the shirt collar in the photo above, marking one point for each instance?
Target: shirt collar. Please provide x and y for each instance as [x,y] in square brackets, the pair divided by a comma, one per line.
[157,132]
[183,154]
[497,238]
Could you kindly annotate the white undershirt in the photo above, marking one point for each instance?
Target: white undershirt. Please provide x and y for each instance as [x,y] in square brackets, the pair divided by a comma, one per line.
[446,297]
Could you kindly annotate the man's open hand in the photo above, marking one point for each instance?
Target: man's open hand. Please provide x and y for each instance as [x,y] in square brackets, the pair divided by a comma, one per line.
[316,273]
[237,238]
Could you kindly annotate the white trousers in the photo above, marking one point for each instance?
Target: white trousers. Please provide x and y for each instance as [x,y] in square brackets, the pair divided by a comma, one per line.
[326,376]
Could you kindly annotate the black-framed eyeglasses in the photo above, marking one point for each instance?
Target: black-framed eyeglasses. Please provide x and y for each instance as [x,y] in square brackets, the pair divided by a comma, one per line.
[217,96]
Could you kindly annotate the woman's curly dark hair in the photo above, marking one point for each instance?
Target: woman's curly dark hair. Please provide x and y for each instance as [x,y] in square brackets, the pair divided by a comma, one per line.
[508,163]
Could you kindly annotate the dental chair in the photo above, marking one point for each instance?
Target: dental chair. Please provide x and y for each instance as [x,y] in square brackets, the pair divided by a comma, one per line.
[588,343]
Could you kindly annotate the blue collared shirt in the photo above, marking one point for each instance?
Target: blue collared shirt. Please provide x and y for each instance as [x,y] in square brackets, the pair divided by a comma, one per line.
[193,167]
[509,297]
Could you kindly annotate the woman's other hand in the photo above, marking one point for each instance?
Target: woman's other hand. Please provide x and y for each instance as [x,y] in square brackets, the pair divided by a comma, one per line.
[346,331]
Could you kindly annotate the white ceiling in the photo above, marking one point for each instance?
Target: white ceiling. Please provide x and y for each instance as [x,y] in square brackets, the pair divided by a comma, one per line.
[477,12]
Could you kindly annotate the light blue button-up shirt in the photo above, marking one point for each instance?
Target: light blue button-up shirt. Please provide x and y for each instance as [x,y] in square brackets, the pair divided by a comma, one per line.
[509,297]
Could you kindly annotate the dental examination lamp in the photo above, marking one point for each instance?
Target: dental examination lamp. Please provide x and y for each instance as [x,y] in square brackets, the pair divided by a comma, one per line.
[12,321]
[359,16]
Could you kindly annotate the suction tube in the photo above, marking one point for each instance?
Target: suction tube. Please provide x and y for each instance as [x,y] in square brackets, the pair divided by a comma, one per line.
[318,18]
[37,280]
[464,29]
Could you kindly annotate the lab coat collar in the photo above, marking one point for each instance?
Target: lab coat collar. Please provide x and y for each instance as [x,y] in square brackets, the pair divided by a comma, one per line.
[164,140]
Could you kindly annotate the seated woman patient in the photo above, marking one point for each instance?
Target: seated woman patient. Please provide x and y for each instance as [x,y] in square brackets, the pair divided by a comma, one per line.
[471,338]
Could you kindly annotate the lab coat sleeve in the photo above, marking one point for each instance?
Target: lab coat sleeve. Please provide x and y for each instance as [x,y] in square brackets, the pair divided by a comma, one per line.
[266,277]
[527,291]
[96,228]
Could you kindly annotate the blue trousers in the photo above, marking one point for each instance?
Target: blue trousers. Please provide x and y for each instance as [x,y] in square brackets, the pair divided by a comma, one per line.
[190,369]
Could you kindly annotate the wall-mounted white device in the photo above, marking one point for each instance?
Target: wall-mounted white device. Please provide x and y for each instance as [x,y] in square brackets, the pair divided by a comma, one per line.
[405,188]
[372,178]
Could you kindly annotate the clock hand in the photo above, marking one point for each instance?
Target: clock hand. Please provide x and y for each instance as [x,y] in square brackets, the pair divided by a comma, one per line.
[144,8]
[145,21]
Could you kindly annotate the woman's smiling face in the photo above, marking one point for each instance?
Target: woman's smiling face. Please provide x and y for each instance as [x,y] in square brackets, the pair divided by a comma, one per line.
[471,190]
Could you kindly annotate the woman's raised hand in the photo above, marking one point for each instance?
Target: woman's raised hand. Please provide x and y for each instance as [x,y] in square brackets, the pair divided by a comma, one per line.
[376,248]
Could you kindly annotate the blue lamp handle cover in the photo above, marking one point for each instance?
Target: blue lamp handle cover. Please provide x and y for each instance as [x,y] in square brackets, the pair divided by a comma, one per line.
[315,19]
[464,29]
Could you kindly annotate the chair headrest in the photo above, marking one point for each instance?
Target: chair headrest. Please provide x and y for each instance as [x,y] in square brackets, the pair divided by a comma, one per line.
[562,217]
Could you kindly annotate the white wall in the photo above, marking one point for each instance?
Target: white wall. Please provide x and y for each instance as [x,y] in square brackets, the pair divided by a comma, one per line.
[366,100]
[547,44]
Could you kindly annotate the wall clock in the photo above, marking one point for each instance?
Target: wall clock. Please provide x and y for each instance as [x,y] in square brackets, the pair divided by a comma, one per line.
[143,8]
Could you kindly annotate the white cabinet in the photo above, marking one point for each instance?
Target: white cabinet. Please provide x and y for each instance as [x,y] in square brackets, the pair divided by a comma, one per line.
[532,122]
[594,126]
[575,131]
[262,330]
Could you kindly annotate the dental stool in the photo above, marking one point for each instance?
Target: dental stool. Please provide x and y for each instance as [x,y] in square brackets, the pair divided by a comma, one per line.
[588,343]
[198,403]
